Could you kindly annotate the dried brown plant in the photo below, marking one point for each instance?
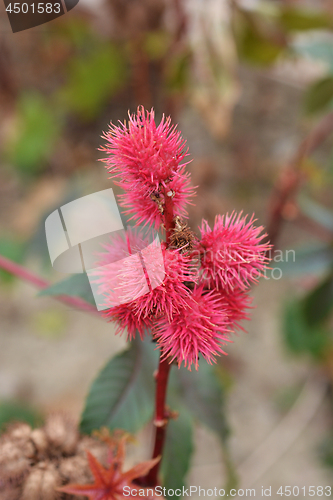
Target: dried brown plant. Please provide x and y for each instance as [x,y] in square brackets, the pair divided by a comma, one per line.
[34,462]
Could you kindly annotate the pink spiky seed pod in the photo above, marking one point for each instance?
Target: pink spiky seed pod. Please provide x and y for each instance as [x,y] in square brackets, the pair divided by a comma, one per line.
[146,206]
[146,281]
[144,153]
[119,274]
[237,304]
[123,243]
[154,284]
[127,319]
[147,160]
[170,297]
[201,328]
[232,253]
[120,253]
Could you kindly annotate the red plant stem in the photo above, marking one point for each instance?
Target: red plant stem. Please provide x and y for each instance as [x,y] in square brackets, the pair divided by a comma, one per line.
[161,413]
[161,419]
[292,175]
[168,214]
[35,280]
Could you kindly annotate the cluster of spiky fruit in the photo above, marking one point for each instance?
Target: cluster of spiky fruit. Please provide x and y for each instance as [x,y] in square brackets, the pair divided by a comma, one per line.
[204,292]
[35,462]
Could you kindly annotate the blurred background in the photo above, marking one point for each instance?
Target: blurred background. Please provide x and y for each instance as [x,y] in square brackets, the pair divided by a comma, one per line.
[250,84]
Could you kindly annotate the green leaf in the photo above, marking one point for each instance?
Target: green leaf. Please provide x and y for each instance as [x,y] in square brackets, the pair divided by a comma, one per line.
[93,79]
[310,260]
[177,452]
[74,286]
[318,304]
[317,49]
[255,48]
[318,213]
[37,131]
[326,449]
[122,396]
[203,396]
[293,19]
[178,448]
[299,336]
[319,96]
[200,394]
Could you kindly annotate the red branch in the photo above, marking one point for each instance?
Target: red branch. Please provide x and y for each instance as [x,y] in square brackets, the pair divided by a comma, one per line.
[168,214]
[292,175]
[161,413]
[35,280]
[161,419]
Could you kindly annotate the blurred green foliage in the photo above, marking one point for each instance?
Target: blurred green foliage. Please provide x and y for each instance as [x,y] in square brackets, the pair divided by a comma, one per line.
[263,34]
[316,212]
[93,78]
[94,67]
[326,450]
[318,304]
[36,133]
[257,49]
[75,286]
[319,96]
[308,319]
[320,49]
[157,44]
[302,337]
[13,411]
[13,249]
[302,19]
[177,73]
